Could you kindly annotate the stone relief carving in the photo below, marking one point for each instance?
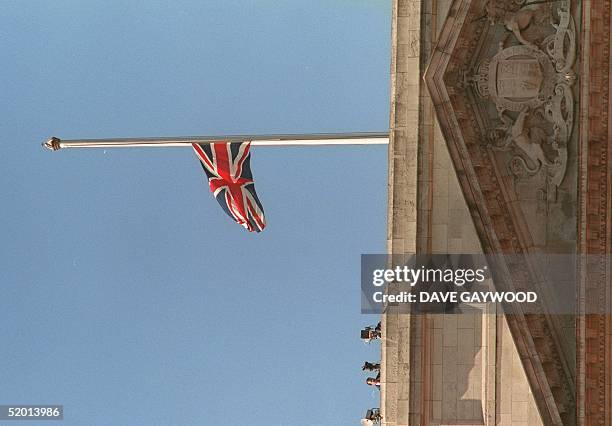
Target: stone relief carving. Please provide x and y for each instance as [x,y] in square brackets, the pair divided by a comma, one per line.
[516,16]
[530,81]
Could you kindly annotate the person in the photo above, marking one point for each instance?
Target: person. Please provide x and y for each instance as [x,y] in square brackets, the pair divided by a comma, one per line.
[372,417]
[374,381]
[373,414]
[368,334]
[370,366]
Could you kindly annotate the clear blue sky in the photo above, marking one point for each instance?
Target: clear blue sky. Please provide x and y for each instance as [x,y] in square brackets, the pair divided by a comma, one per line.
[127,294]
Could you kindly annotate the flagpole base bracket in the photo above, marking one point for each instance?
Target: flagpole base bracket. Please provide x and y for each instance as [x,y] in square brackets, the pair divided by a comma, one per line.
[53,144]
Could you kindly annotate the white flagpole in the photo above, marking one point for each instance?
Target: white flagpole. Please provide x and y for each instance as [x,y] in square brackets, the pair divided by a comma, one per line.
[381,138]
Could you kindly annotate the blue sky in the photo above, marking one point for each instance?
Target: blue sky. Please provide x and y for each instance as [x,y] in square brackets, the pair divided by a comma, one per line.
[127,295]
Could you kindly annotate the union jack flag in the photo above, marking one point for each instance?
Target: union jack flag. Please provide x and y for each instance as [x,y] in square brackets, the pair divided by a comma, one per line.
[228,167]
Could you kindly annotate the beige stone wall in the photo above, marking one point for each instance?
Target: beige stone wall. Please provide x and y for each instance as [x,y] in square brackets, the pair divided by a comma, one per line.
[467,369]
[515,403]
[452,227]
[397,341]
[457,368]
[460,343]
[464,347]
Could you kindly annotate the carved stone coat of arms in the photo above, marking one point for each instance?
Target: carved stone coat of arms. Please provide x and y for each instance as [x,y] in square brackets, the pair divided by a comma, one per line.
[530,82]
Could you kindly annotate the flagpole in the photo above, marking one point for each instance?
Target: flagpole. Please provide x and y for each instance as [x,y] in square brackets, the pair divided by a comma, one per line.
[363,138]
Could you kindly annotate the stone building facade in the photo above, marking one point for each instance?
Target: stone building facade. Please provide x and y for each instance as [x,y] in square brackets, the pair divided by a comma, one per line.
[499,143]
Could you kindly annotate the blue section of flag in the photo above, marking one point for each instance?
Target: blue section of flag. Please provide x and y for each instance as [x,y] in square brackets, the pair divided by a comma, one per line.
[228,168]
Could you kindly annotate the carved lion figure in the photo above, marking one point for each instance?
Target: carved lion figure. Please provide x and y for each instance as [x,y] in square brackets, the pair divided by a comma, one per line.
[515,19]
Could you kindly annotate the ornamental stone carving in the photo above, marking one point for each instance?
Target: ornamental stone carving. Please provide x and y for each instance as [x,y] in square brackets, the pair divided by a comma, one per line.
[529,80]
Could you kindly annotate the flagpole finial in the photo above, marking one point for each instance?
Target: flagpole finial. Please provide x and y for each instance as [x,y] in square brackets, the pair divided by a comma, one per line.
[52,144]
